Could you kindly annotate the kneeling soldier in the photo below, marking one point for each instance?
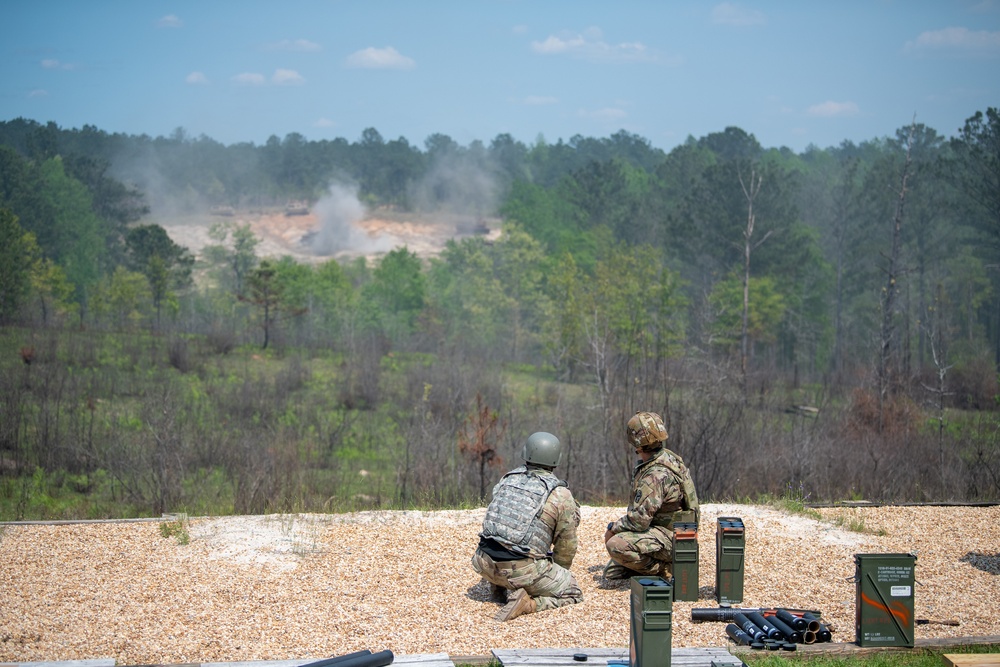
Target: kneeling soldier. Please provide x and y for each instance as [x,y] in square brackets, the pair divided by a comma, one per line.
[531,511]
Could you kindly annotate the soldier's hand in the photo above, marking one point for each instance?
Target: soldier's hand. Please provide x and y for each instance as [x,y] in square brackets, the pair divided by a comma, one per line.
[608,535]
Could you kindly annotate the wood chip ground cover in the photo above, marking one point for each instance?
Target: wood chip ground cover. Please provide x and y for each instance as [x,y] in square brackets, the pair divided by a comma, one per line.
[282,587]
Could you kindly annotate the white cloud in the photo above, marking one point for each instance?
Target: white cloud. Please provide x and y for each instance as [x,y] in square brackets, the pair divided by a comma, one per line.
[956,40]
[590,45]
[323,122]
[539,100]
[554,44]
[249,79]
[519,29]
[301,45]
[169,21]
[52,63]
[729,13]
[387,58]
[196,78]
[606,114]
[830,109]
[287,77]
[38,92]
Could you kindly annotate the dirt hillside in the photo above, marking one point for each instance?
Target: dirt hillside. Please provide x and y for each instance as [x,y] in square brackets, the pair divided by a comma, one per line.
[292,235]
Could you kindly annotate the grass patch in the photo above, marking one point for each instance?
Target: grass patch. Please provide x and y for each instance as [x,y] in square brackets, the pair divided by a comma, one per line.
[908,658]
[792,501]
[856,524]
[176,528]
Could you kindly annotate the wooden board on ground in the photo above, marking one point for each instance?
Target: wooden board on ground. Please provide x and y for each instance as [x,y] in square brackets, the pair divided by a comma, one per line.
[411,660]
[96,662]
[972,659]
[555,657]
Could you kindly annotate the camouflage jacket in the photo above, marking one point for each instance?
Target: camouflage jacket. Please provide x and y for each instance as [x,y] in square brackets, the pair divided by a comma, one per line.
[661,488]
[562,513]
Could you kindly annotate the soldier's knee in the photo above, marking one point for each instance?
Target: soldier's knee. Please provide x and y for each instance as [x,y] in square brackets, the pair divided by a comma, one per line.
[617,546]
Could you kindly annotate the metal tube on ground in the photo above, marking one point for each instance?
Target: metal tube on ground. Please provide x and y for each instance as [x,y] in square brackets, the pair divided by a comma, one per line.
[380,659]
[761,622]
[788,632]
[792,620]
[326,662]
[748,627]
[812,620]
[701,614]
[738,636]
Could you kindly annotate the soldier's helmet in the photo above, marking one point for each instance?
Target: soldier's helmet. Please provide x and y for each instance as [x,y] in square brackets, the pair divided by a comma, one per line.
[542,449]
[645,430]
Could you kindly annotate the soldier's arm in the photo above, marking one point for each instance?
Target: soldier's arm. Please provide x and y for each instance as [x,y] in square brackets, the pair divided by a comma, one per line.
[647,500]
[565,512]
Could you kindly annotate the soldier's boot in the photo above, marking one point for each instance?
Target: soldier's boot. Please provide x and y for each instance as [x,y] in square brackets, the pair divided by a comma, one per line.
[518,604]
[498,594]
[615,571]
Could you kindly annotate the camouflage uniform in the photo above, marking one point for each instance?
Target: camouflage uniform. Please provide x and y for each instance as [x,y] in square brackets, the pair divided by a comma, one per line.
[544,575]
[662,493]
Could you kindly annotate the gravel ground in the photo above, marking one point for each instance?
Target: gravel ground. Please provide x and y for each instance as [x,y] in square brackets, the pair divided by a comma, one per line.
[283,587]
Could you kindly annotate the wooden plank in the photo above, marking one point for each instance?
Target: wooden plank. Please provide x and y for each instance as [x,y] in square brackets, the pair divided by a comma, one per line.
[682,657]
[424,660]
[972,659]
[412,659]
[96,662]
[259,663]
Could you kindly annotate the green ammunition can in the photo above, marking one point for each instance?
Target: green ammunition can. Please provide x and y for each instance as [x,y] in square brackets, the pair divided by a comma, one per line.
[730,542]
[685,543]
[883,610]
[652,607]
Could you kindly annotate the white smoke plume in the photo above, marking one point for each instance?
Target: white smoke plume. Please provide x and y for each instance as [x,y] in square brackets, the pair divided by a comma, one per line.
[461,184]
[338,214]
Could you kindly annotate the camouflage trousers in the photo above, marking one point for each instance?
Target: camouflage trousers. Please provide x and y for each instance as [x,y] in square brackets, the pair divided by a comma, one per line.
[550,585]
[649,552]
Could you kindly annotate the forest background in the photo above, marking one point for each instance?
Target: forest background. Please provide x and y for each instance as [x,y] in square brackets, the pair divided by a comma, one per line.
[820,326]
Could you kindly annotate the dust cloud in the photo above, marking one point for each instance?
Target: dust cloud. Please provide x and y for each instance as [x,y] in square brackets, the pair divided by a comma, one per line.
[461,185]
[338,215]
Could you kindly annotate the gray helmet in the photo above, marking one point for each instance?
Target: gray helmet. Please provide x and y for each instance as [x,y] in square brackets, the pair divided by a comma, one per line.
[542,449]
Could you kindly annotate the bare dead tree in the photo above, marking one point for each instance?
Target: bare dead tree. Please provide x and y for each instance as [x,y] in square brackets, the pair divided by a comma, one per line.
[890,291]
[750,190]
[939,391]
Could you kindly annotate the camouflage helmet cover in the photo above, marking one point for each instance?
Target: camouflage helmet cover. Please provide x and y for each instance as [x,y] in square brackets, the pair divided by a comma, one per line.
[645,430]
[542,449]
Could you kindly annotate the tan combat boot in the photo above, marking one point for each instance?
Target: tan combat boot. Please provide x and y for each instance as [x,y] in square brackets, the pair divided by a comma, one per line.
[615,571]
[517,604]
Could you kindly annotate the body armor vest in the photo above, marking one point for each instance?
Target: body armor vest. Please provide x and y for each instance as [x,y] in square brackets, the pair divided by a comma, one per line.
[514,516]
[687,510]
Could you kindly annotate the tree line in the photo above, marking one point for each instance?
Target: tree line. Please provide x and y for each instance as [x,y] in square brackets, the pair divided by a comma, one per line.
[738,290]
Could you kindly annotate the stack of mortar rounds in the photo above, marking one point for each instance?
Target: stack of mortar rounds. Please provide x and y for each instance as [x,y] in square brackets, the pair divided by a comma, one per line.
[770,629]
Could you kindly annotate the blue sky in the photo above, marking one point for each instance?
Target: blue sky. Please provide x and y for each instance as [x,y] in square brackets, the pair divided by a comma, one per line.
[791,73]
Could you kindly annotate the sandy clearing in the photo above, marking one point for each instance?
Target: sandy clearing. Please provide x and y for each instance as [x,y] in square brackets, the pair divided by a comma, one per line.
[283,587]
